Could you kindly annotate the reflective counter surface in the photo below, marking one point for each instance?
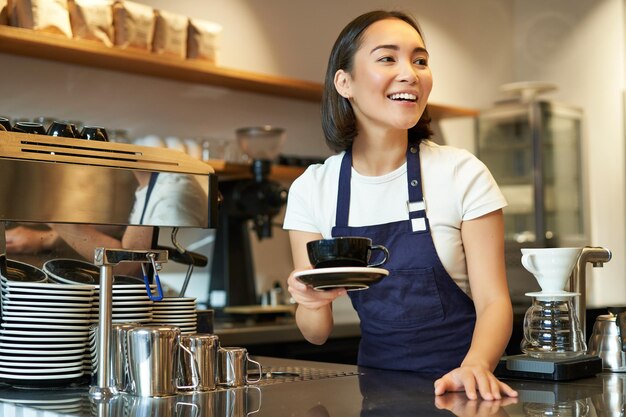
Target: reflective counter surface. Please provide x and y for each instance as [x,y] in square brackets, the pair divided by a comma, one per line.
[315,389]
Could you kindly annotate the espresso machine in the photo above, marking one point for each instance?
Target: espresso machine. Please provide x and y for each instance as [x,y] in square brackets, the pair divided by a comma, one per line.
[58,180]
[253,200]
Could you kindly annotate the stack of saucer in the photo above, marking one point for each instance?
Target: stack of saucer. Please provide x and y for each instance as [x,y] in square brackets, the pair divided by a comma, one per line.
[176,311]
[130,304]
[130,300]
[44,330]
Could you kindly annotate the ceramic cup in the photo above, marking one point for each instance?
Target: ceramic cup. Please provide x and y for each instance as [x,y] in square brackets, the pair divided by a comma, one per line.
[29,127]
[94,133]
[550,266]
[5,124]
[62,129]
[344,252]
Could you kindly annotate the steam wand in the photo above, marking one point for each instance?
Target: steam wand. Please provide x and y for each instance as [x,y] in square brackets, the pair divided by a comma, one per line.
[106,259]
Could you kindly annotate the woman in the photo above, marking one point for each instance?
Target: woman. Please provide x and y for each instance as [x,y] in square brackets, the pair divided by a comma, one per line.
[437,209]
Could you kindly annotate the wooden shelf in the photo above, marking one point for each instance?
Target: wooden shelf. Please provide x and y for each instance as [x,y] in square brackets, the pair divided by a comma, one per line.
[228,171]
[25,42]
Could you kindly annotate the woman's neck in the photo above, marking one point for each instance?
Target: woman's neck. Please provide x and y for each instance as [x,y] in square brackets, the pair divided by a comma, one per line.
[375,155]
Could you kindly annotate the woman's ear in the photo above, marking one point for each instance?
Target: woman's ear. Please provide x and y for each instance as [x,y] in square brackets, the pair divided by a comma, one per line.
[342,83]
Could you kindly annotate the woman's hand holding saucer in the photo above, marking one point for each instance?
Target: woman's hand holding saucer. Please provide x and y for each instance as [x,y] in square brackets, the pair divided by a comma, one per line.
[309,298]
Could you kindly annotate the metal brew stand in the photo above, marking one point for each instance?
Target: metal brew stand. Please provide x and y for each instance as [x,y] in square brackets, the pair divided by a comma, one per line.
[47,179]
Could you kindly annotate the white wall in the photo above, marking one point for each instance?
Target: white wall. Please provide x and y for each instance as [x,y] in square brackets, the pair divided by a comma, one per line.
[470,45]
[475,46]
[580,46]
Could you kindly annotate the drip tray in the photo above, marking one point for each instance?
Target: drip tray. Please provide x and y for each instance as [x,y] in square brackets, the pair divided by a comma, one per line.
[279,374]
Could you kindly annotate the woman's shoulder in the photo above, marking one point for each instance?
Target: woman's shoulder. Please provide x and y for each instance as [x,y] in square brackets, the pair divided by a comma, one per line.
[435,150]
[321,172]
[446,157]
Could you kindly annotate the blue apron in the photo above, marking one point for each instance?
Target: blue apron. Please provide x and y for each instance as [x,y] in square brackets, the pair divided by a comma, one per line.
[417,318]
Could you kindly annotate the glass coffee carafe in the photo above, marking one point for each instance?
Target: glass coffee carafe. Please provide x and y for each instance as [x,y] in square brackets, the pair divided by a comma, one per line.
[551,326]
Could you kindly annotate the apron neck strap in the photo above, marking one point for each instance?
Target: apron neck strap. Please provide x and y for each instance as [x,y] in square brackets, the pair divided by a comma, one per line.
[414,177]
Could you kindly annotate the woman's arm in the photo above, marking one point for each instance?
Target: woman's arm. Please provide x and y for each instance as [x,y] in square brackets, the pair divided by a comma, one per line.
[314,315]
[483,241]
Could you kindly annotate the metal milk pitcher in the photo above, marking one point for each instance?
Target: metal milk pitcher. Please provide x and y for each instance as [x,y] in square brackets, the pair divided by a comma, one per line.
[154,363]
[607,339]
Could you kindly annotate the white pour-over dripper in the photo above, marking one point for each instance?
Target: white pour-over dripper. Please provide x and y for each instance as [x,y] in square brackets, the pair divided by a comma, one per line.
[551,268]
[551,327]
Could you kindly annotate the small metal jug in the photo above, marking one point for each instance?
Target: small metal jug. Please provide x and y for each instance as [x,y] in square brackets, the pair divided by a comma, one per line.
[607,339]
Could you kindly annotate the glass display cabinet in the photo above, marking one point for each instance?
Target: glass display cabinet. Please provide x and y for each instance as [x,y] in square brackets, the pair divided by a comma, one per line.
[533,150]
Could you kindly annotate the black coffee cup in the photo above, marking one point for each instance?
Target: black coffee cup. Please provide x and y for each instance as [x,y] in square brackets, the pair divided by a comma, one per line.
[29,127]
[344,252]
[94,133]
[5,124]
[62,129]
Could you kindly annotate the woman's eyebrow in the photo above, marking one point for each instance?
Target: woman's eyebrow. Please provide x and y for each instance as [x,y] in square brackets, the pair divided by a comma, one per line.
[419,49]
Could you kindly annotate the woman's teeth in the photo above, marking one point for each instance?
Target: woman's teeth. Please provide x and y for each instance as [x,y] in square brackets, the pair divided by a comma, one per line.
[403,96]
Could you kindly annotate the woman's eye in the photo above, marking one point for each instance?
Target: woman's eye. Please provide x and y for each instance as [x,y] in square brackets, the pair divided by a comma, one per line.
[386,59]
[421,61]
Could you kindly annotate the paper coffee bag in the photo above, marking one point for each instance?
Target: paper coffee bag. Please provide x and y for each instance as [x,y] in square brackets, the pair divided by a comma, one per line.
[4,12]
[43,15]
[92,19]
[202,40]
[170,34]
[133,25]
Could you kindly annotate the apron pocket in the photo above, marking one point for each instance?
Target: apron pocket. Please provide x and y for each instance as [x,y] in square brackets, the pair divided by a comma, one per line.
[406,296]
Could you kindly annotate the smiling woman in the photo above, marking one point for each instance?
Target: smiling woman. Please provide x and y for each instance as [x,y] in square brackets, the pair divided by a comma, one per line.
[444,308]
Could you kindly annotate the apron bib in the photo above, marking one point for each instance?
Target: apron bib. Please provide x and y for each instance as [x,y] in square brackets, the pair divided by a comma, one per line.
[417,318]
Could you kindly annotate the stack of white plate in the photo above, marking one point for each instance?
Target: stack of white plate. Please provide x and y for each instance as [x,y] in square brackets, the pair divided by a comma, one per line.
[176,311]
[44,330]
[130,304]
[130,299]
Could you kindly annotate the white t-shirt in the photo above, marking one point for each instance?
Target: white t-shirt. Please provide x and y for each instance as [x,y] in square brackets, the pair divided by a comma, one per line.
[176,200]
[456,187]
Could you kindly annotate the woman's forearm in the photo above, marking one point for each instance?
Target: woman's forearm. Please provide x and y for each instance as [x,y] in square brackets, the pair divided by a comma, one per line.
[315,325]
[491,335]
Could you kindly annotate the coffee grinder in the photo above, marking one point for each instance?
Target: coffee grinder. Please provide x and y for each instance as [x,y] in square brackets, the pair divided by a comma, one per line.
[554,341]
[245,201]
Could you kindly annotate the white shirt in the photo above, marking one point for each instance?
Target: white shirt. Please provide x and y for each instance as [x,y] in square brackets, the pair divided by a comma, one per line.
[456,187]
[176,200]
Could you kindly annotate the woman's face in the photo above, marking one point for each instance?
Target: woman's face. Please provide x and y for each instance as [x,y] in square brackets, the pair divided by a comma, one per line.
[390,80]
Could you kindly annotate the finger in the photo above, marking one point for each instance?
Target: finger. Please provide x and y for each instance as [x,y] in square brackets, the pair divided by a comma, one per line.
[484,386]
[494,387]
[507,389]
[470,388]
[440,386]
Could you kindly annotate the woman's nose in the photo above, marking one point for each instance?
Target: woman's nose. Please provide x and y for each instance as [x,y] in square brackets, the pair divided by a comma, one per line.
[408,73]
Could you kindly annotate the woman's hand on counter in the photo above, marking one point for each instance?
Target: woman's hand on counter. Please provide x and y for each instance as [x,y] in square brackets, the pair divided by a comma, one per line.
[461,406]
[473,380]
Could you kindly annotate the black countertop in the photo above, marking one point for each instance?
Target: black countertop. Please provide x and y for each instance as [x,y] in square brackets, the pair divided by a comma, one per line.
[332,390]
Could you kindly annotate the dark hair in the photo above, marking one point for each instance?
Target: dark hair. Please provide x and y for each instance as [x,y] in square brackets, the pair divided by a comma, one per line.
[338,120]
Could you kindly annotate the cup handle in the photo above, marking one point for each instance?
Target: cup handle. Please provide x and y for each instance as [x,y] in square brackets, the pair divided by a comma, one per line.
[195,379]
[254,381]
[184,404]
[258,390]
[527,262]
[385,251]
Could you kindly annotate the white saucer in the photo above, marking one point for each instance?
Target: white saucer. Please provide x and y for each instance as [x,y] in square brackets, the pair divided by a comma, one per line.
[350,278]
[552,295]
